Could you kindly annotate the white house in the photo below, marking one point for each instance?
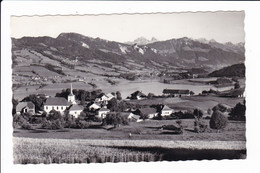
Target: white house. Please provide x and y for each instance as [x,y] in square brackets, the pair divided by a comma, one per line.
[104,98]
[130,116]
[102,113]
[110,96]
[149,112]
[24,107]
[166,111]
[94,106]
[56,103]
[75,110]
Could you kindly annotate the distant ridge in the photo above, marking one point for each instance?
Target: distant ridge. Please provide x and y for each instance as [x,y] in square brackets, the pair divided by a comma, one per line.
[237,70]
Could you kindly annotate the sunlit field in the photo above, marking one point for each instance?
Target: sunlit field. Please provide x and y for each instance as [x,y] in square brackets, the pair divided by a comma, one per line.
[35,151]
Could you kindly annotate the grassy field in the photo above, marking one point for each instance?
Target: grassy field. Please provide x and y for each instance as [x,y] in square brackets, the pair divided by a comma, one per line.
[147,143]
[35,151]
[190,102]
[146,130]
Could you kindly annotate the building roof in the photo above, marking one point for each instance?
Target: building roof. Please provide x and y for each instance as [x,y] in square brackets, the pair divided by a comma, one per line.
[136,117]
[110,96]
[22,105]
[76,107]
[57,101]
[166,108]
[137,93]
[147,111]
[104,109]
[175,91]
[95,104]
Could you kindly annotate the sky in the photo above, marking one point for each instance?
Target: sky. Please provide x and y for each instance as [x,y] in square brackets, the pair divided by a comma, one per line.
[220,26]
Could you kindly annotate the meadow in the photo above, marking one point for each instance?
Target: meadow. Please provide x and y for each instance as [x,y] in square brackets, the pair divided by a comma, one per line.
[146,130]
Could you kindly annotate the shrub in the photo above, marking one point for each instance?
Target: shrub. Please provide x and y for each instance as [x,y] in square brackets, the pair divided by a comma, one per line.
[197,113]
[220,107]
[82,124]
[218,120]
[115,119]
[199,125]
[27,126]
[238,112]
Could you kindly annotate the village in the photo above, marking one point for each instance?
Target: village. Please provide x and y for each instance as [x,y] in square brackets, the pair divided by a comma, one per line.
[70,110]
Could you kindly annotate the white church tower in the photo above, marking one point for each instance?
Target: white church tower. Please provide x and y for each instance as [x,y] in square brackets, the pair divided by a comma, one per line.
[71,96]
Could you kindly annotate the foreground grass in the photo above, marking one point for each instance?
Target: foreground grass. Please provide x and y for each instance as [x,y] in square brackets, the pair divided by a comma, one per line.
[35,151]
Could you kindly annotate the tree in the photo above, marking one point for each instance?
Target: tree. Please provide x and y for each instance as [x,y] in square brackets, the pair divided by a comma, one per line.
[15,103]
[115,119]
[192,93]
[209,111]
[237,85]
[197,113]
[82,116]
[54,115]
[220,107]
[36,100]
[118,95]
[113,105]
[218,120]
[150,95]
[199,125]
[238,112]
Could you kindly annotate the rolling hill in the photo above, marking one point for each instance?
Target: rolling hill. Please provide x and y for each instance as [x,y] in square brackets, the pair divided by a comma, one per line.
[237,70]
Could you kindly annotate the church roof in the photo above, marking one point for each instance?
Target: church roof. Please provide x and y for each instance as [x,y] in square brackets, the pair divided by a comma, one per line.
[76,107]
[56,101]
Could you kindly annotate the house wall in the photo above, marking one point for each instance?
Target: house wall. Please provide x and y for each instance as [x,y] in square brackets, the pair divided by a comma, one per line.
[166,113]
[26,109]
[94,107]
[61,109]
[152,115]
[75,113]
[102,114]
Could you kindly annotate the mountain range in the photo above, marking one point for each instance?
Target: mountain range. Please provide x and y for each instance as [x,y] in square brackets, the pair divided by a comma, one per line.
[182,52]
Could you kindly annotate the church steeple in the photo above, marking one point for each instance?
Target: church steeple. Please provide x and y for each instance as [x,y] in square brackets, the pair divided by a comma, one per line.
[71,96]
[71,89]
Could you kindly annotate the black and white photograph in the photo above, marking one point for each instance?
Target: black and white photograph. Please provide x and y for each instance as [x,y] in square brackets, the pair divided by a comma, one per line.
[128,87]
[154,87]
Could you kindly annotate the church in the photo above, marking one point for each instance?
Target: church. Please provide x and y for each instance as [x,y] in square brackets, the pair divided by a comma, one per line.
[61,104]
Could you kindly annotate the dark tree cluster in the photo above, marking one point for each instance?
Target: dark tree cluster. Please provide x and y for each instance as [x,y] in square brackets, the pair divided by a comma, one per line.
[238,112]
[115,119]
[37,100]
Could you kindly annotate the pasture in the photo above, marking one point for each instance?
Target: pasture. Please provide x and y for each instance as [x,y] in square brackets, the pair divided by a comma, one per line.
[145,130]
[190,102]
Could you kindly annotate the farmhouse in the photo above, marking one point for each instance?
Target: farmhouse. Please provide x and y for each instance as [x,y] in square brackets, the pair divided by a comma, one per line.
[75,110]
[130,116]
[94,106]
[147,112]
[166,111]
[176,92]
[56,103]
[24,107]
[102,113]
[104,98]
[137,95]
